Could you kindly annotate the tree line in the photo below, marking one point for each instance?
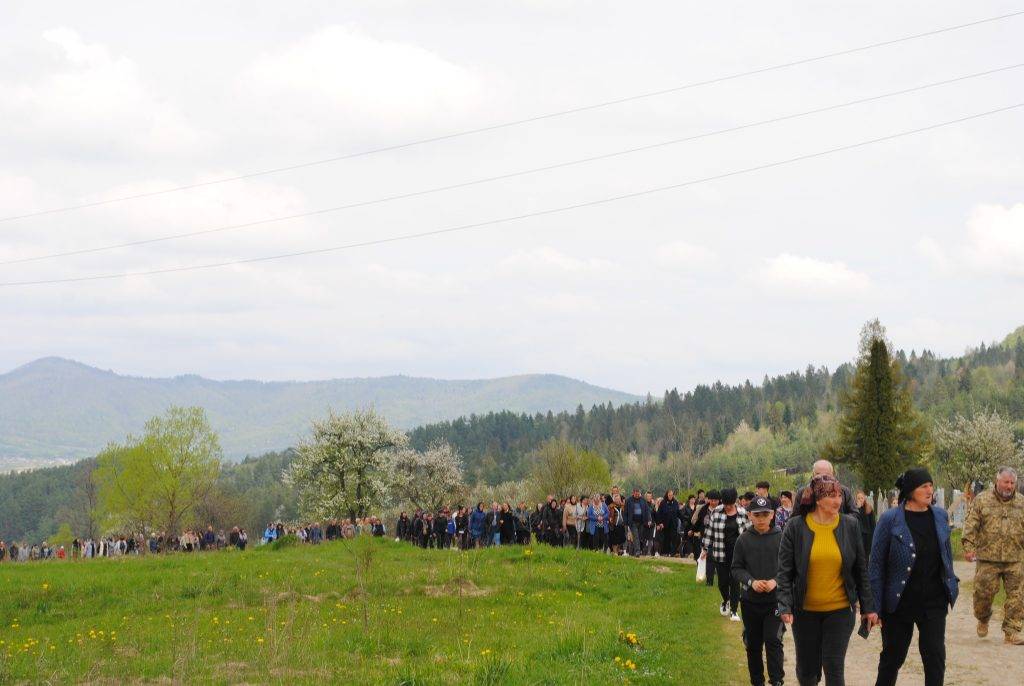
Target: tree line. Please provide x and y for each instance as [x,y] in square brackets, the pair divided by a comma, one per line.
[873,416]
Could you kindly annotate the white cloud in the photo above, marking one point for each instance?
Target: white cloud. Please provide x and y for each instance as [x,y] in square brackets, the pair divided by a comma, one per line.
[548,259]
[341,80]
[933,253]
[686,255]
[813,278]
[90,99]
[995,240]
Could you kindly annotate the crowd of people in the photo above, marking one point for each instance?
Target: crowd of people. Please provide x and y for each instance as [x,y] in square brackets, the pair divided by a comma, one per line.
[807,560]
[811,562]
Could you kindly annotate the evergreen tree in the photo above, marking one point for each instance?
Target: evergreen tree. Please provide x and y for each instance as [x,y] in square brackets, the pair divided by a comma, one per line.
[1018,359]
[880,432]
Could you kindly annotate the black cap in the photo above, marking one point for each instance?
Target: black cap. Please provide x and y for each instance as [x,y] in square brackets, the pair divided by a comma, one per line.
[760,504]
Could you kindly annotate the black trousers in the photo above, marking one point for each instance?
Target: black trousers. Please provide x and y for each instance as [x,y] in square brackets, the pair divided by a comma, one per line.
[597,539]
[727,586]
[821,640]
[762,629]
[711,566]
[572,536]
[896,635]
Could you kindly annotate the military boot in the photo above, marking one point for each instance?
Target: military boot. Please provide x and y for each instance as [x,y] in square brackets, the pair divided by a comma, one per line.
[1016,639]
[982,629]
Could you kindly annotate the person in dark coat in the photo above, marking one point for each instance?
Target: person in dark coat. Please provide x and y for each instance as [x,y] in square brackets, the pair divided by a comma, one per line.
[441,530]
[508,524]
[476,525]
[700,520]
[755,563]
[822,575]
[537,522]
[912,579]
[553,522]
[401,528]
[667,521]
[638,515]
[864,511]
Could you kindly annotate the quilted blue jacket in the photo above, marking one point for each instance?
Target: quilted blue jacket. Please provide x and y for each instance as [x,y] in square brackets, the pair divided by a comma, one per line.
[893,555]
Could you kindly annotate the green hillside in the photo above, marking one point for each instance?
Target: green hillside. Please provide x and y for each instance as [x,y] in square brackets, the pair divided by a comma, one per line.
[54,409]
[366,611]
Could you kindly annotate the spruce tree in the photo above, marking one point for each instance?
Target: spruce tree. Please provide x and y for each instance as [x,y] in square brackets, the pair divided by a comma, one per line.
[1018,359]
[880,433]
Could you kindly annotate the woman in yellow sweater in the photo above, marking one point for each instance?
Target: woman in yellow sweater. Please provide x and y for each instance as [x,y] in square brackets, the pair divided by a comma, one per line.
[822,574]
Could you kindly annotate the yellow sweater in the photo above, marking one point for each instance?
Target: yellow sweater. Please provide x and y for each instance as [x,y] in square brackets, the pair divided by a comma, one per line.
[825,589]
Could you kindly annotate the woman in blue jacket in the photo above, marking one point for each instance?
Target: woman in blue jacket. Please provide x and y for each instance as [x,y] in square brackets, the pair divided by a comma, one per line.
[912,579]
[597,522]
[476,525]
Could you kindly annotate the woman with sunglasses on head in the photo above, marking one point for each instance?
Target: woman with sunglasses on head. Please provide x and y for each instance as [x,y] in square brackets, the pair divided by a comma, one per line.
[822,574]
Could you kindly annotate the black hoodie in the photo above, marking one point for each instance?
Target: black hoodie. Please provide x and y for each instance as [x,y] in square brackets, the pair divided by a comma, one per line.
[756,557]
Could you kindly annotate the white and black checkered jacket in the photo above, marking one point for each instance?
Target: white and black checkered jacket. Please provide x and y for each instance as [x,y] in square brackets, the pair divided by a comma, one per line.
[714,532]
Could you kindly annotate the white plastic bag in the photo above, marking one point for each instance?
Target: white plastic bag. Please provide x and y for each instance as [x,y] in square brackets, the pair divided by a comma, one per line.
[702,570]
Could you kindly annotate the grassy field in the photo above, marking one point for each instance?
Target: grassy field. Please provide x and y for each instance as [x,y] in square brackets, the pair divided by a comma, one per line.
[368,612]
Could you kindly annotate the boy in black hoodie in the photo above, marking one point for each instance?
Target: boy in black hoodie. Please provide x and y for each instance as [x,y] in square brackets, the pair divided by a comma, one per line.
[754,565]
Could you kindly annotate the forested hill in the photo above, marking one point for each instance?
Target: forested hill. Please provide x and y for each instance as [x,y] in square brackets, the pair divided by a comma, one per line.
[494,445]
[713,434]
[55,409]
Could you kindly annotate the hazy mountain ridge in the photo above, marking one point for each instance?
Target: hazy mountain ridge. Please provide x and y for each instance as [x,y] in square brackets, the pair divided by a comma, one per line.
[55,409]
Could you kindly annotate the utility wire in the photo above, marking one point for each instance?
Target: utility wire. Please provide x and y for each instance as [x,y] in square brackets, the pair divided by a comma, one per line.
[515,218]
[518,122]
[491,179]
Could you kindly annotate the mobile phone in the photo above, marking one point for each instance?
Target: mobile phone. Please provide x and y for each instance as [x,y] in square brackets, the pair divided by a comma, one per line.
[865,629]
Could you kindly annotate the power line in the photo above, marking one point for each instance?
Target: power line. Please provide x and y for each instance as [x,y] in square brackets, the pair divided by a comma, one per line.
[518,122]
[520,217]
[491,179]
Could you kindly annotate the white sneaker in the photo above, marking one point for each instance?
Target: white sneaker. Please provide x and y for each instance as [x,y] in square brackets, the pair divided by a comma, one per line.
[734,617]
[657,555]
[723,609]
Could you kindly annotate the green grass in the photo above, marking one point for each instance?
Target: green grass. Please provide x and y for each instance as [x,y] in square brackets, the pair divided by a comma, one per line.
[367,612]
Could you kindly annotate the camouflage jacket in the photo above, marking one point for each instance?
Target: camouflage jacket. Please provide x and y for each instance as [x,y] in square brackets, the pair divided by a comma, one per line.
[994,529]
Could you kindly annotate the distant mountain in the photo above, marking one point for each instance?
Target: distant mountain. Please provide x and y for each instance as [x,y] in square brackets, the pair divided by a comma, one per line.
[54,410]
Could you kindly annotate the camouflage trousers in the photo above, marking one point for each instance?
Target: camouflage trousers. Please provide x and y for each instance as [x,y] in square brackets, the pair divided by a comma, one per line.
[987,578]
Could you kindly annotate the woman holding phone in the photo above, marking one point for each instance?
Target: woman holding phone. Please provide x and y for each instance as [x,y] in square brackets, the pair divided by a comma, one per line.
[822,574]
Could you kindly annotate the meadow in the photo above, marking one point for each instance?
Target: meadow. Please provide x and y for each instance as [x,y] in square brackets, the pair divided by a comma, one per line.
[368,611]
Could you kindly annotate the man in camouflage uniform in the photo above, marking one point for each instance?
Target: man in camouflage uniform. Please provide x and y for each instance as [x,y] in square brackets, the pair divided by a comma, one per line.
[994,536]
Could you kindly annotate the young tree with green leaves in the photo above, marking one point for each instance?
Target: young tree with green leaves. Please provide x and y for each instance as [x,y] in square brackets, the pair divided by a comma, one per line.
[562,469]
[155,482]
[880,433]
[343,468]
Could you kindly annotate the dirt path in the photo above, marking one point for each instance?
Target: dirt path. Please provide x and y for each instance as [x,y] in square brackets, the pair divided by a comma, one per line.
[970,661]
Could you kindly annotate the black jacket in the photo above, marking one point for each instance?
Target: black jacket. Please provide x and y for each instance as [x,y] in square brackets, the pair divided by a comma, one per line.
[795,554]
[552,517]
[756,557]
[508,526]
[668,513]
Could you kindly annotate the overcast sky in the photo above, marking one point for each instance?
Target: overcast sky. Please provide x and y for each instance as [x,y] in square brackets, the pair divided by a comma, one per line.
[732,279]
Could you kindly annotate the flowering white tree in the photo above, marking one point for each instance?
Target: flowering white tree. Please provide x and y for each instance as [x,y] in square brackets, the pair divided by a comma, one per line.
[427,480]
[974,448]
[342,469]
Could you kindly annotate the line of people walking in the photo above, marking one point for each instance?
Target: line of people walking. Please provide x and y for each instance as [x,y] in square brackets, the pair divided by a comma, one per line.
[813,569]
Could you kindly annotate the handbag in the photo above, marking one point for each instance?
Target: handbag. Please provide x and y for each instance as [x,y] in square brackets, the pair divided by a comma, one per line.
[702,570]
